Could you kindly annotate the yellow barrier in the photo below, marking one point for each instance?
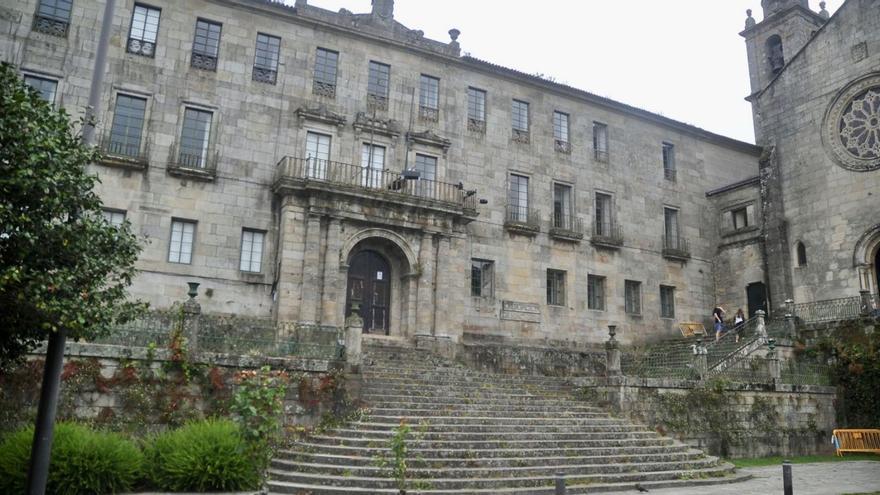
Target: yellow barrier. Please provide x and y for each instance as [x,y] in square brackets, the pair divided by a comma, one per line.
[856,441]
[691,328]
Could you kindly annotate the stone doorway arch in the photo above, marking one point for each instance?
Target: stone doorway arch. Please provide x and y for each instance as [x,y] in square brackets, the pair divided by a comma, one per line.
[866,258]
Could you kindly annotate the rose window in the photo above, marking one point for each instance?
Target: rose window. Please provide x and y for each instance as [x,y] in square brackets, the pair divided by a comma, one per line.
[860,125]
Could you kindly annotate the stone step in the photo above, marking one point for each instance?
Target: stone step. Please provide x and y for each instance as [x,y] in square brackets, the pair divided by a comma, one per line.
[411,372]
[431,431]
[470,453]
[488,401]
[542,441]
[417,471]
[472,459]
[460,423]
[439,383]
[479,436]
[473,395]
[411,413]
[561,410]
[506,482]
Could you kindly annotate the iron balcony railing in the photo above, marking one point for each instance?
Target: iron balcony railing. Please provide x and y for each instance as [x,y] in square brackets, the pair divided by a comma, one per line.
[568,226]
[366,179]
[121,153]
[669,174]
[676,247]
[141,47]
[522,217]
[562,146]
[607,233]
[601,156]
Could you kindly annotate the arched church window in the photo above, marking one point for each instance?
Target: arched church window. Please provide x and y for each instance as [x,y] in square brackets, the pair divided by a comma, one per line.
[775,56]
[801,254]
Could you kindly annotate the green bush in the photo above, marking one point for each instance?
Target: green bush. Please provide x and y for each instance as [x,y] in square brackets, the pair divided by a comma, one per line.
[83,461]
[202,456]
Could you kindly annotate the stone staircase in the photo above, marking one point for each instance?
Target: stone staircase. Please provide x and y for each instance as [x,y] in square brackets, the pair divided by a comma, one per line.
[475,432]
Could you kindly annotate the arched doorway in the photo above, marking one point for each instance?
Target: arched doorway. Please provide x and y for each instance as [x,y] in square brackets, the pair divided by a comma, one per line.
[369,285]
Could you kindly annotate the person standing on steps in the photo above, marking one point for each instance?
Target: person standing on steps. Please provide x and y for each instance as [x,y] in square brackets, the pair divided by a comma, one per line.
[738,319]
[718,316]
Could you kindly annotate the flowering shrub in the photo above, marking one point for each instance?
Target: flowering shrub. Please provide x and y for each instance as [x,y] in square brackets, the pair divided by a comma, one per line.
[257,406]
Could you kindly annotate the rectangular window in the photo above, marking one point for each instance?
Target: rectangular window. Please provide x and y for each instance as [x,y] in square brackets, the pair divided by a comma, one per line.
[378,81]
[603,221]
[520,116]
[46,87]
[596,292]
[556,287]
[667,301]
[670,228]
[266,58]
[427,168]
[740,218]
[518,199]
[562,211]
[194,138]
[326,63]
[53,17]
[317,155]
[114,217]
[181,247]
[373,165]
[127,127]
[206,45]
[632,297]
[560,132]
[482,278]
[251,250]
[669,162]
[600,142]
[144,30]
[429,98]
[476,110]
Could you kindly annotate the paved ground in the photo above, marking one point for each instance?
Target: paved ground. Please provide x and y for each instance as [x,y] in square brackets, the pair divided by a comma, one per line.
[821,478]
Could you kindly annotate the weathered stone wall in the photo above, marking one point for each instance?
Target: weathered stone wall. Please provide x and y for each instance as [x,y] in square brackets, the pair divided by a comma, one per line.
[724,418]
[564,359]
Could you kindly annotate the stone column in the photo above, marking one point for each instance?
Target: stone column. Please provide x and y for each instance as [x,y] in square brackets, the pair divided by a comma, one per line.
[760,325]
[192,312]
[354,330]
[612,353]
[773,361]
[425,305]
[311,285]
[333,299]
[791,326]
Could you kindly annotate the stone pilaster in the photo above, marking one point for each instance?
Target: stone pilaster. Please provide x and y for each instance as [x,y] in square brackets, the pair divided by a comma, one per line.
[311,286]
[289,263]
[426,286]
[333,300]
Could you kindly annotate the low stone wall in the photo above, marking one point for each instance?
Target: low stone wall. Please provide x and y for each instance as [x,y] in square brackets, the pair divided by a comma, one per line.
[724,418]
[143,388]
[562,359]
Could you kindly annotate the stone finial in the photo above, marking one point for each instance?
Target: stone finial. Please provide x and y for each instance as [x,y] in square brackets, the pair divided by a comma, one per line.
[750,21]
[383,9]
[822,12]
[454,33]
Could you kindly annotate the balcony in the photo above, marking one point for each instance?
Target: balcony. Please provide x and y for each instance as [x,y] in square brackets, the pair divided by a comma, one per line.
[51,25]
[562,146]
[669,174]
[600,156]
[676,248]
[607,235]
[522,220]
[298,175]
[193,166]
[123,155]
[567,228]
[141,47]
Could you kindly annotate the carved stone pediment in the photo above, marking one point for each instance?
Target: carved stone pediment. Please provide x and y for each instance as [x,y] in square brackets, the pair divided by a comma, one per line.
[429,138]
[364,123]
[321,114]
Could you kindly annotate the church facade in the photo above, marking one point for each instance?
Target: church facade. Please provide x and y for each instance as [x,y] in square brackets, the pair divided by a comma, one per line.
[303,164]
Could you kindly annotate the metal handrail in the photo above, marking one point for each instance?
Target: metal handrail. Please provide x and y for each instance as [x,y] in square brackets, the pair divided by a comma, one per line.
[522,215]
[676,244]
[568,223]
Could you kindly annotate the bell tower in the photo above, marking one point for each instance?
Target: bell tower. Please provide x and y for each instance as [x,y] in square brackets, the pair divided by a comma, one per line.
[786,27]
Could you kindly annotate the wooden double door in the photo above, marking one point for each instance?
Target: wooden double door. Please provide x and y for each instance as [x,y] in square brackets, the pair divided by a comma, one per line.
[369,285]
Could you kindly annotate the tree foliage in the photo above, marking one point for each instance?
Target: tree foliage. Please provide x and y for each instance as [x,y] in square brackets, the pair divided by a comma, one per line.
[61,264]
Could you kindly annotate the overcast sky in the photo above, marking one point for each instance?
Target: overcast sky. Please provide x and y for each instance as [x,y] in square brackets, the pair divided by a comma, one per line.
[680,58]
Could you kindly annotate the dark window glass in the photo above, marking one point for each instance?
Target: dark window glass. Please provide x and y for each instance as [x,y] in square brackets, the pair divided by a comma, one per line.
[482,278]
[595,292]
[58,10]
[668,161]
[194,138]
[520,116]
[266,58]
[127,127]
[518,198]
[633,297]
[667,301]
[144,30]
[326,63]
[206,45]
[378,79]
[556,287]
[46,87]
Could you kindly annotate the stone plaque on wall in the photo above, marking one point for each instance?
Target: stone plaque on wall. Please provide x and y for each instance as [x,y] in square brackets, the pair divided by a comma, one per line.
[520,311]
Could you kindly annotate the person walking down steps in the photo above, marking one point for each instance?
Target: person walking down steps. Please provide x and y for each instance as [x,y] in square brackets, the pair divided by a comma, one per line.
[718,315]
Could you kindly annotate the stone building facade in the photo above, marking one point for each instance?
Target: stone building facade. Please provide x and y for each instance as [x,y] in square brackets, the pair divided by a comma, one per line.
[301,164]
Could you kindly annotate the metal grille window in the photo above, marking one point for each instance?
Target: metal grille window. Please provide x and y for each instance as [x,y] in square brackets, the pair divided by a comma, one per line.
[560,132]
[114,217]
[144,31]
[326,63]
[317,155]
[556,287]
[667,301]
[669,161]
[520,116]
[194,138]
[46,87]
[600,141]
[378,81]
[181,246]
[482,278]
[53,17]
[596,292]
[266,58]
[632,297]
[251,250]
[603,225]
[206,45]
[518,198]
[373,164]
[562,206]
[476,110]
[429,98]
[128,126]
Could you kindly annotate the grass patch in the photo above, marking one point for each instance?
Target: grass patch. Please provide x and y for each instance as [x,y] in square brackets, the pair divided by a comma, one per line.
[777,461]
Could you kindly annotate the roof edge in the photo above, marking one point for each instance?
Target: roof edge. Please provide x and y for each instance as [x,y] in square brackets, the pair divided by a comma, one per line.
[734,186]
